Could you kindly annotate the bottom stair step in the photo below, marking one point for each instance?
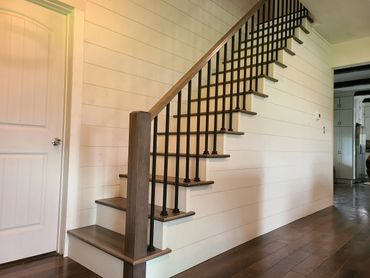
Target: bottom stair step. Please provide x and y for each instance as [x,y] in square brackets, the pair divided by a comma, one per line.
[121,204]
[112,243]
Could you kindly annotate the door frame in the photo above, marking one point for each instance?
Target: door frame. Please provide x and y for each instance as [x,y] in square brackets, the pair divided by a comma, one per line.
[74,10]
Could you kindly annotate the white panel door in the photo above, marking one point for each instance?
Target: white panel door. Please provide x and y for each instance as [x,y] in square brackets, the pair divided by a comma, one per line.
[32,85]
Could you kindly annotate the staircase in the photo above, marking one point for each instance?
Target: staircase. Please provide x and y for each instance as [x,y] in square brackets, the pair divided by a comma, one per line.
[175,147]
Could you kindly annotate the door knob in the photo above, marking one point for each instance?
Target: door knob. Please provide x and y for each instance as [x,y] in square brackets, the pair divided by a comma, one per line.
[56,142]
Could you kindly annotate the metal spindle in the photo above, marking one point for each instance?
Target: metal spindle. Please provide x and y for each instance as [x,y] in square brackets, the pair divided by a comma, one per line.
[238,71]
[152,197]
[188,127]
[224,89]
[216,105]
[251,56]
[290,18]
[277,28]
[282,23]
[268,36]
[286,25]
[263,38]
[295,14]
[178,146]
[245,66]
[165,171]
[257,51]
[199,107]
[231,83]
[273,32]
[207,107]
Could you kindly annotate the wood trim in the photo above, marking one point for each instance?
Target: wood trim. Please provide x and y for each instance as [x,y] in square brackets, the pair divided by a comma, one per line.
[167,98]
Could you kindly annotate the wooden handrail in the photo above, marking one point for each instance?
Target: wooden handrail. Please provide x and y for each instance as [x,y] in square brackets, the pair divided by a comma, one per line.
[172,93]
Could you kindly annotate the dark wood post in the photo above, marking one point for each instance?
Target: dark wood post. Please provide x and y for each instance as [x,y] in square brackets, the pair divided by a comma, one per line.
[137,193]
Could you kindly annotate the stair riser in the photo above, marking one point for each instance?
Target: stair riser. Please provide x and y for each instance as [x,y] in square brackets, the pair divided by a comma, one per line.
[114,220]
[172,167]
[203,119]
[183,193]
[193,138]
[266,57]
[275,34]
[255,72]
[279,20]
[194,105]
[261,87]
[94,259]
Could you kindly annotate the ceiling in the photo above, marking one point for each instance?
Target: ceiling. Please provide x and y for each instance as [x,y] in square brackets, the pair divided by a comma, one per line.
[340,20]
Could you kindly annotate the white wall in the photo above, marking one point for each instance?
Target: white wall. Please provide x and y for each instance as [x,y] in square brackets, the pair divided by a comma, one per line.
[134,50]
[351,53]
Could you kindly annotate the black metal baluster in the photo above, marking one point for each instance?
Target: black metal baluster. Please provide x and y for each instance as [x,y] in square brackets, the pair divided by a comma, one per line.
[178,146]
[290,18]
[257,51]
[282,23]
[187,161]
[224,89]
[152,197]
[231,84]
[245,66]
[295,15]
[251,56]
[165,171]
[238,71]
[286,23]
[199,107]
[263,39]
[207,107]
[268,36]
[273,38]
[216,105]
[277,28]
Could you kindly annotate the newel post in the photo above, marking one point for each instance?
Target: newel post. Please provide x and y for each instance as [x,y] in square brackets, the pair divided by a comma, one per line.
[137,193]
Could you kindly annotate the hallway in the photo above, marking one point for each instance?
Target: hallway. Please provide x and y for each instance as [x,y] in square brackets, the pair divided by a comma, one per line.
[334,242]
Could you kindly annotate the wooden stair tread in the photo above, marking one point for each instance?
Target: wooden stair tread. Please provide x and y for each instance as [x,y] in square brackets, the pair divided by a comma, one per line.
[219,112]
[278,63]
[304,29]
[112,243]
[255,54]
[243,79]
[235,95]
[194,155]
[172,181]
[121,204]
[172,133]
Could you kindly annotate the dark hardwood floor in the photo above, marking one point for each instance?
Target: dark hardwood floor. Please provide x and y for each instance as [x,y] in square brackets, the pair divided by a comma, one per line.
[334,242]
[47,266]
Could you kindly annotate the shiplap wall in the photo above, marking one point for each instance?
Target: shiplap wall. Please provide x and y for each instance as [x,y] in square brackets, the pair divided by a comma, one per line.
[279,171]
[134,50]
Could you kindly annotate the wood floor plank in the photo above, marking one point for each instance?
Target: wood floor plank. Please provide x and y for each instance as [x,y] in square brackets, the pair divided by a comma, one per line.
[334,242]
